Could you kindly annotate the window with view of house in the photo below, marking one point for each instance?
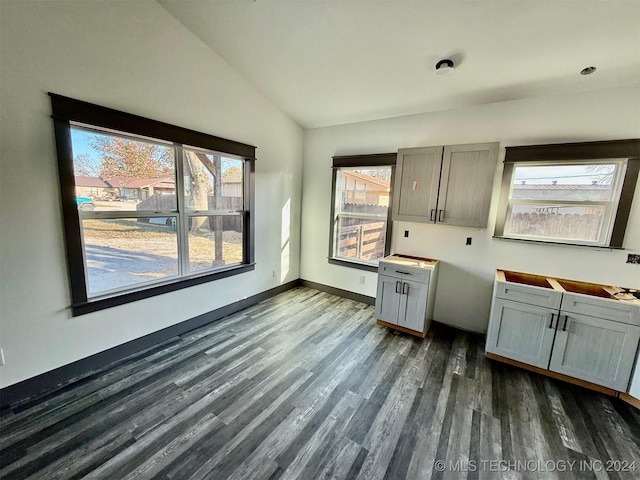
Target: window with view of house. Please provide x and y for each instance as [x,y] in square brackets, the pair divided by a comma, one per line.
[584,202]
[360,209]
[145,211]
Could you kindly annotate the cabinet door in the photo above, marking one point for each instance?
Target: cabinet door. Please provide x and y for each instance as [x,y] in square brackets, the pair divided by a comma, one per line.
[521,332]
[596,350]
[388,299]
[413,305]
[415,192]
[466,183]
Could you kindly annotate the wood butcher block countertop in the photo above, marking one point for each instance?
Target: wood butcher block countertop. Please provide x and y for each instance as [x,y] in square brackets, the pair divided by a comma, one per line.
[570,286]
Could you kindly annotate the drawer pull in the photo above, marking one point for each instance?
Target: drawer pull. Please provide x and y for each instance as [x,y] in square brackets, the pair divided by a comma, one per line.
[404,273]
[432,215]
[564,327]
[551,322]
[398,286]
[405,289]
[441,215]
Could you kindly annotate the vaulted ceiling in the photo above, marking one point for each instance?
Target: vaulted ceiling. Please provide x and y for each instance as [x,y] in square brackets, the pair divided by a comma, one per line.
[342,61]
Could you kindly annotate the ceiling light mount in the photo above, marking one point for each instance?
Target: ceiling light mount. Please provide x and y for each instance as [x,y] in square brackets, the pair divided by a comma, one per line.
[587,71]
[444,66]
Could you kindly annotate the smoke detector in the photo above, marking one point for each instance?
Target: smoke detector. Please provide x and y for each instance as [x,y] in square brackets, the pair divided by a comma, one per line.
[444,67]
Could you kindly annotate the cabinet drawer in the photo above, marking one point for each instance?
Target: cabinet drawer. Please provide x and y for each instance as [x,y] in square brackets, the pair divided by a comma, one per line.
[421,275]
[601,308]
[529,294]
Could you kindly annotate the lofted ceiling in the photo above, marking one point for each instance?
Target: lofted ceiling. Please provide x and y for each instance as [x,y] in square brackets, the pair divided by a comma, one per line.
[343,61]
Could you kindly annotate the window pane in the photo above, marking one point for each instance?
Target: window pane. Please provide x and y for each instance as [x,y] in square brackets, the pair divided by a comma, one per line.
[114,173]
[205,189]
[215,241]
[364,190]
[125,252]
[576,222]
[360,238]
[586,182]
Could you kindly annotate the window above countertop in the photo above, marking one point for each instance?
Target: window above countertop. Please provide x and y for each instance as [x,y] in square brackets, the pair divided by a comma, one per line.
[577,194]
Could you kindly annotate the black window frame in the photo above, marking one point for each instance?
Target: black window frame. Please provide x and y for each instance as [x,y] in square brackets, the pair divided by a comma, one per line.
[361,161]
[66,111]
[587,152]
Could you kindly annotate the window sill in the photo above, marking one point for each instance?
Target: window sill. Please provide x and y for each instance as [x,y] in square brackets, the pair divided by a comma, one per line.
[102,303]
[357,265]
[562,244]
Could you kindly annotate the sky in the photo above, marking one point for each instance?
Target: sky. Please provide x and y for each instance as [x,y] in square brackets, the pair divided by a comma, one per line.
[80,143]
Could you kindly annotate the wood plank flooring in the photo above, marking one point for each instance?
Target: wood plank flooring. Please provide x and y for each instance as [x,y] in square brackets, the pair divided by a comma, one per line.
[307,386]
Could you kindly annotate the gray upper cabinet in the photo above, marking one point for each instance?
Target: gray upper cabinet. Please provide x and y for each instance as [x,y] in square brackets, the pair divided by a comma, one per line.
[451,185]
[416,184]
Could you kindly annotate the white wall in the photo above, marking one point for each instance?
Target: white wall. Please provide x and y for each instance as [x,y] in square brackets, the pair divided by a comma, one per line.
[135,57]
[466,273]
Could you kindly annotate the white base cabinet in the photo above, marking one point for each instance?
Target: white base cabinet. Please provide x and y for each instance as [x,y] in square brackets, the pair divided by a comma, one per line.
[406,292]
[595,349]
[589,338]
[521,332]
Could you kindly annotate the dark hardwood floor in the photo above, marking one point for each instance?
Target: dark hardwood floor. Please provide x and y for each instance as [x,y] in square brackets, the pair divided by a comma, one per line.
[307,386]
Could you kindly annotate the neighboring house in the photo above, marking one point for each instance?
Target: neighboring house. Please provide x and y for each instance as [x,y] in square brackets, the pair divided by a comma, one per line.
[87,186]
[139,188]
[542,191]
[232,184]
[564,192]
[361,189]
[143,188]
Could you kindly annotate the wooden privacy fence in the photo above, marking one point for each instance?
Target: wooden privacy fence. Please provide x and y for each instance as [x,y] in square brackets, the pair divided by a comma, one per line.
[168,202]
[363,242]
[557,225]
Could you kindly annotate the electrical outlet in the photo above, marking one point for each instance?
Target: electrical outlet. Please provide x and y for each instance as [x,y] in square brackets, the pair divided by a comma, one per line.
[361,279]
[633,258]
[1,356]
[406,234]
[468,241]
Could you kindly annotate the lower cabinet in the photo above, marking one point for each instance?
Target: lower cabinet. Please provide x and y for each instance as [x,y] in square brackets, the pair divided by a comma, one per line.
[521,332]
[595,349]
[406,293]
[402,302]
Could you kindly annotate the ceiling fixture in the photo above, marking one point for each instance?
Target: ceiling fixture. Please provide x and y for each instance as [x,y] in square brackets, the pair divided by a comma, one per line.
[444,67]
[587,71]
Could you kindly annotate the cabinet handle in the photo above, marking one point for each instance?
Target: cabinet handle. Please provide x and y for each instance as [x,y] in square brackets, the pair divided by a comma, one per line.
[432,215]
[404,273]
[405,289]
[551,322]
[564,327]
[441,215]
[398,284]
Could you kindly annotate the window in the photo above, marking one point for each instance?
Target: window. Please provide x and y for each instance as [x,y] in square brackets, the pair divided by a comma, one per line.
[565,200]
[361,199]
[148,207]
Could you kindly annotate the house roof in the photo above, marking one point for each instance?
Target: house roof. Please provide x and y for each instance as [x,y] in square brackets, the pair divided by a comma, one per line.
[547,186]
[233,177]
[126,182]
[86,181]
[367,178]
